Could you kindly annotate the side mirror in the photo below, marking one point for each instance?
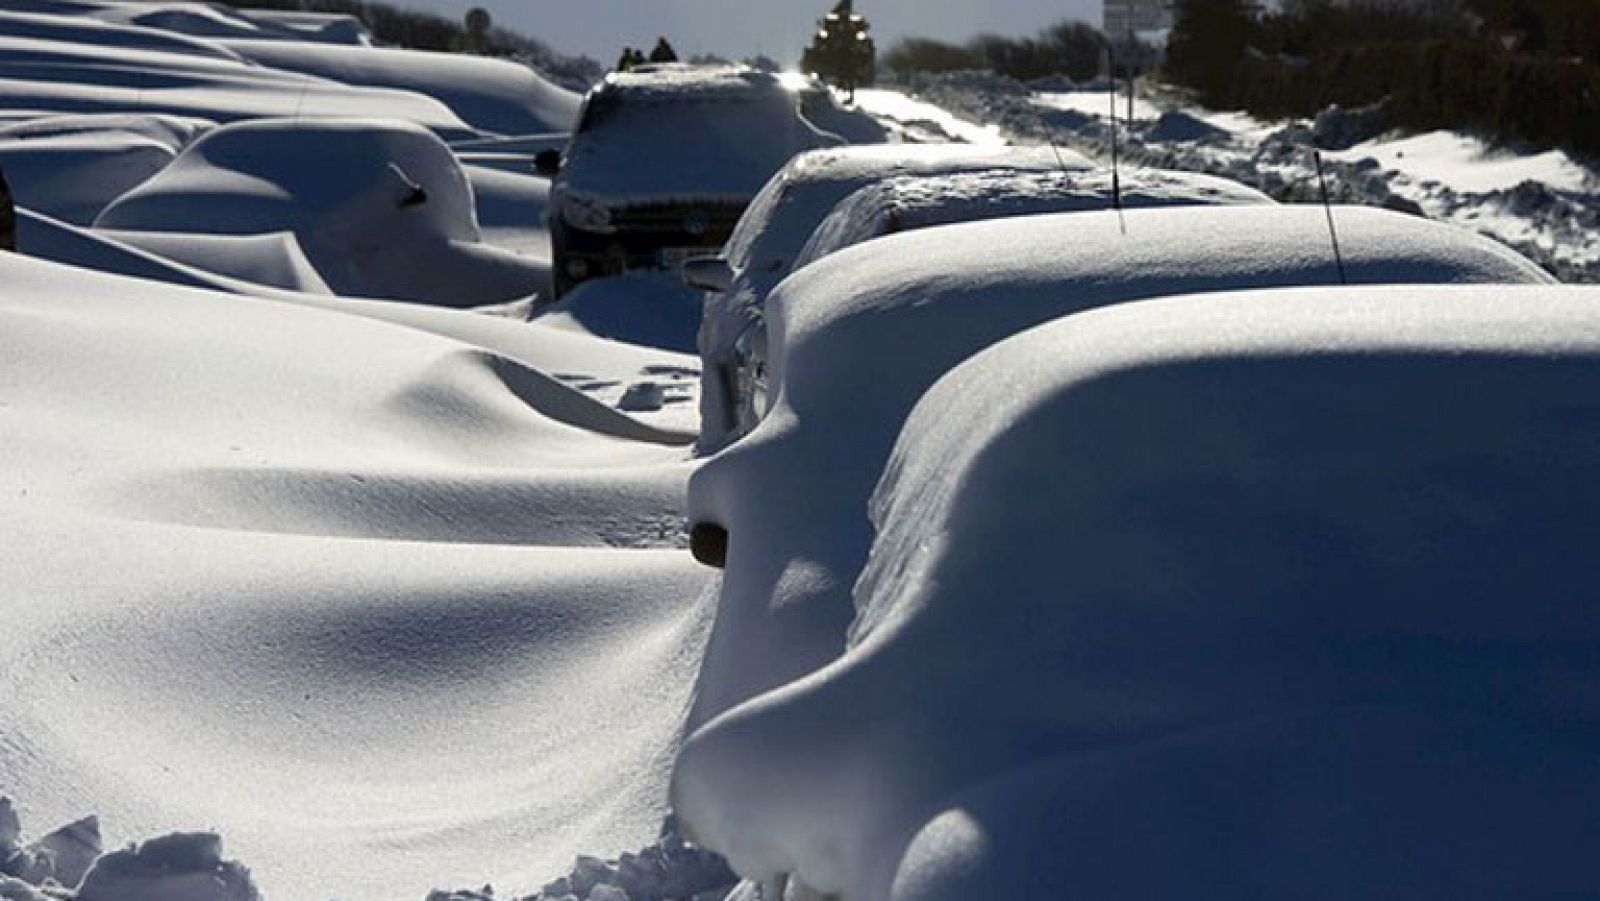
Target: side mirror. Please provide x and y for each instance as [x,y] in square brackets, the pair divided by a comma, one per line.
[708,273]
[547,162]
[708,542]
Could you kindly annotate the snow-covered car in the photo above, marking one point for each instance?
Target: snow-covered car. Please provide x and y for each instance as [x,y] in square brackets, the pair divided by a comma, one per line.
[1283,593]
[365,207]
[909,202]
[855,339]
[768,238]
[663,162]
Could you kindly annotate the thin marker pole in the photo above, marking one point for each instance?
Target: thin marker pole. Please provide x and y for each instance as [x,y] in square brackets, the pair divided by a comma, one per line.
[1327,208]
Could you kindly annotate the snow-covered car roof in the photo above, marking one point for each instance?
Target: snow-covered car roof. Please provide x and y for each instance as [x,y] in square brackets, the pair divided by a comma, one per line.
[799,196]
[906,203]
[684,134]
[768,239]
[857,337]
[1313,564]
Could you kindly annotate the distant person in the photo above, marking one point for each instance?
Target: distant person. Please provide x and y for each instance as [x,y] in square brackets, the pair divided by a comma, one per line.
[663,52]
[8,216]
[636,59]
[626,60]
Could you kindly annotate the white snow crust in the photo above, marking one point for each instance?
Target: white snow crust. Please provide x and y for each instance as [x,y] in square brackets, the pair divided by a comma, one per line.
[1281,592]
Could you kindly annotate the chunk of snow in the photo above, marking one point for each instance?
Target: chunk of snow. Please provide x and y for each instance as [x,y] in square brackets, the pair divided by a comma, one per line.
[177,867]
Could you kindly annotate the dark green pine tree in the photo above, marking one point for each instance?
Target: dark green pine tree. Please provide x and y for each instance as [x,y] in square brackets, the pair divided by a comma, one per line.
[841,53]
[1209,39]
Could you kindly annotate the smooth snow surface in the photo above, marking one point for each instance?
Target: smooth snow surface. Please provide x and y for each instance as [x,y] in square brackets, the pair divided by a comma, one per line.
[924,121]
[330,586]
[490,95]
[380,208]
[59,74]
[1280,594]
[858,336]
[1469,165]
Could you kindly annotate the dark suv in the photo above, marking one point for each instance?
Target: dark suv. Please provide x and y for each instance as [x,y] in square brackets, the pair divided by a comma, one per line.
[663,162]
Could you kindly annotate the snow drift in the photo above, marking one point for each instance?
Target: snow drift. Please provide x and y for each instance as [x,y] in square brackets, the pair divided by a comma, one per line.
[328,585]
[490,95]
[1282,594]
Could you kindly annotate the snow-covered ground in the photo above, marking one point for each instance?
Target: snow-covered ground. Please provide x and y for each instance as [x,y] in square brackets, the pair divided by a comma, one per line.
[1546,205]
[336,564]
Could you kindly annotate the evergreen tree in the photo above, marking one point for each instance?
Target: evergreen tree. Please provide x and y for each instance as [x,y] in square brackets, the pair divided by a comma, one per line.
[1209,41]
[841,53]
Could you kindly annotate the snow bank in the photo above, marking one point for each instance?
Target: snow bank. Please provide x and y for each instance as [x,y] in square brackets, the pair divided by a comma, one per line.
[858,336]
[490,95]
[380,208]
[330,586]
[60,75]
[1301,608]
[650,309]
[84,30]
[1544,205]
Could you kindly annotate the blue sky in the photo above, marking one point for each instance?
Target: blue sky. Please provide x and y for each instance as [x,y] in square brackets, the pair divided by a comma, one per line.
[738,28]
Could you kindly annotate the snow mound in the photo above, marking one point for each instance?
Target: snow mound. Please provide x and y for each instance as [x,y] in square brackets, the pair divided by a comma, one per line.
[381,208]
[65,76]
[434,633]
[176,867]
[1176,125]
[176,132]
[85,30]
[491,95]
[857,337]
[649,309]
[274,258]
[1290,597]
